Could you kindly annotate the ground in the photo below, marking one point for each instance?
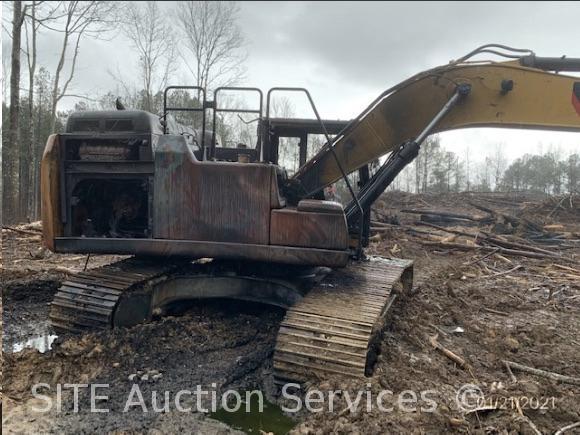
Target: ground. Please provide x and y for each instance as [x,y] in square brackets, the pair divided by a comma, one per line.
[501,308]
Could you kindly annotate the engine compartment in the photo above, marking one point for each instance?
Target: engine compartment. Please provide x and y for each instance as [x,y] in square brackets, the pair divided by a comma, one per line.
[111,208]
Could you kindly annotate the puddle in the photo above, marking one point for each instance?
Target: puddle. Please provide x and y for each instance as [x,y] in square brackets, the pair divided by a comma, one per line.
[41,343]
[271,419]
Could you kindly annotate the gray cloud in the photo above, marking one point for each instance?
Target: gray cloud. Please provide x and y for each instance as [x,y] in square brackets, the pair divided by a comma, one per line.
[346,53]
[378,42]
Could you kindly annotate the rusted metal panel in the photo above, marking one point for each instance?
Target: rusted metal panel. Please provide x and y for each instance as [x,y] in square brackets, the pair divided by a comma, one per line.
[320,206]
[50,192]
[211,201]
[276,200]
[289,227]
[198,249]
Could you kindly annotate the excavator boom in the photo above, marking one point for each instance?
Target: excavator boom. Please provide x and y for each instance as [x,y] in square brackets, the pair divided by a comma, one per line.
[502,95]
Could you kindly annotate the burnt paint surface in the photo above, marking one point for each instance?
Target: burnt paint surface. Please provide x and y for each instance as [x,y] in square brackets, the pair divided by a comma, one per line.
[198,249]
[576,97]
[308,229]
[209,201]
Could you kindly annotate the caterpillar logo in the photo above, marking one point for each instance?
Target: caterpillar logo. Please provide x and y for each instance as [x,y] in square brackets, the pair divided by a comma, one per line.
[576,97]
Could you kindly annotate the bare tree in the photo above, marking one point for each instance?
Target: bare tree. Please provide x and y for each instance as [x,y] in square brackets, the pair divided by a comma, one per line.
[145,26]
[39,12]
[427,154]
[499,163]
[458,175]
[449,158]
[467,170]
[572,169]
[214,42]
[407,175]
[5,71]
[11,155]
[29,166]
[417,167]
[484,174]
[282,107]
[81,19]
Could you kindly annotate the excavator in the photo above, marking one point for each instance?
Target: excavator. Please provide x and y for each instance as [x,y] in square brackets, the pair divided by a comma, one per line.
[202,220]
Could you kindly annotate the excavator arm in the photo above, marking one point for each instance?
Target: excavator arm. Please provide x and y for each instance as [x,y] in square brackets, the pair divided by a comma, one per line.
[519,93]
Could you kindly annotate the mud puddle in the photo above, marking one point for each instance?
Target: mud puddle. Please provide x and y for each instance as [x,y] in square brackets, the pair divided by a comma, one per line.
[26,302]
[252,418]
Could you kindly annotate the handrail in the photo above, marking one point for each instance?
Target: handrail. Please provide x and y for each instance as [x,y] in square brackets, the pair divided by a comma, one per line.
[329,142]
[216,109]
[185,109]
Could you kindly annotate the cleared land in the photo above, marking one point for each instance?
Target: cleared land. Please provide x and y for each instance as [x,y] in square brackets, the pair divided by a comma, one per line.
[497,278]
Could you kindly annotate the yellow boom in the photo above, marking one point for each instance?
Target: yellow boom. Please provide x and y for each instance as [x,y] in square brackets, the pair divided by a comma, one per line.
[502,94]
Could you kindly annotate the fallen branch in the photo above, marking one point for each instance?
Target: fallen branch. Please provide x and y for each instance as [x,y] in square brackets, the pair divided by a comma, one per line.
[502,258]
[566,428]
[506,272]
[489,210]
[447,230]
[491,248]
[506,244]
[509,370]
[530,422]
[515,221]
[490,310]
[571,269]
[453,357]
[445,214]
[543,373]
[559,205]
[65,270]
[477,260]
[383,224]
[529,254]
[417,231]
[27,232]
[489,239]
[387,228]
[553,227]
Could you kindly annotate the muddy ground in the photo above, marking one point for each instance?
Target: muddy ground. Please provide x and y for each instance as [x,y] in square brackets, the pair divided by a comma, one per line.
[478,310]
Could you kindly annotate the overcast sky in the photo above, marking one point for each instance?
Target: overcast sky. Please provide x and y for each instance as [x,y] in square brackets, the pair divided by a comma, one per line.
[346,53]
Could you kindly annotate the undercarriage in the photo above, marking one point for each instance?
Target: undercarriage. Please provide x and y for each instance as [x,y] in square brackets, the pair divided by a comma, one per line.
[333,320]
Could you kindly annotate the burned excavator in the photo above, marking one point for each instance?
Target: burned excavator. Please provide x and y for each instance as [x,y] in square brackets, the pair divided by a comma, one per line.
[204,220]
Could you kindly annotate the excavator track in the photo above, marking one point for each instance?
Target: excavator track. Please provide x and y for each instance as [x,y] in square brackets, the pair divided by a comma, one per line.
[335,328]
[88,300]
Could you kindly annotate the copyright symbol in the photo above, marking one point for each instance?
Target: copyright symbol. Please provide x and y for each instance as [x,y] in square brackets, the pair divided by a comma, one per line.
[468,397]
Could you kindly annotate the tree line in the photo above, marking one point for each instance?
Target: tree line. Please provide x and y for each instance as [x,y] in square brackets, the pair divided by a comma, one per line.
[437,170]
